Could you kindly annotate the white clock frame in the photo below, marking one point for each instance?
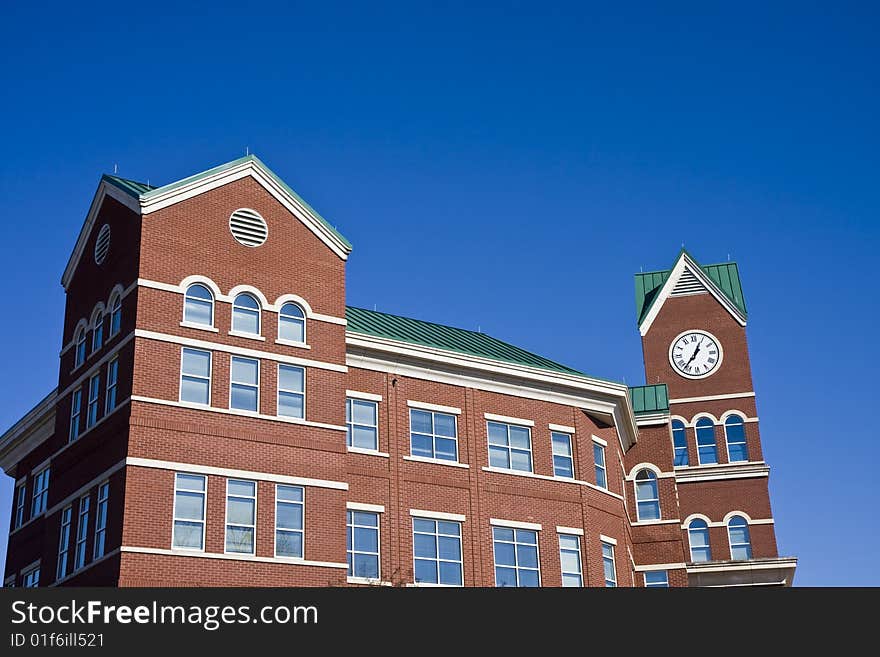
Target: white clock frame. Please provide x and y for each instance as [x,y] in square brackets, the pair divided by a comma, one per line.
[695,376]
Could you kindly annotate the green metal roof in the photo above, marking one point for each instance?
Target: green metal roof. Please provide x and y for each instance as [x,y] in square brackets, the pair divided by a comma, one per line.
[724,275]
[649,399]
[132,187]
[416,331]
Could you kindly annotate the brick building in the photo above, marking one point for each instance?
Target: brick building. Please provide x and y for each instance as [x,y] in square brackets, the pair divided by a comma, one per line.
[222,418]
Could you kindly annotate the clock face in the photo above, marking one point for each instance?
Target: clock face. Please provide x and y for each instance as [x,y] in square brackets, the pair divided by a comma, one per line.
[695,354]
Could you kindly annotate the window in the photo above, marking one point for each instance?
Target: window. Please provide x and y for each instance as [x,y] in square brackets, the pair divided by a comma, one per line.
[362,423]
[241,516]
[80,357]
[115,315]
[198,306]
[82,529]
[189,512]
[97,331]
[195,376]
[75,412]
[244,384]
[246,315]
[92,411]
[563,462]
[64,543]
[599,458]
[647,497]
[291,391]
[437,552]
[740,542]
[735,434]
[289,510]
[608,564]
[698,537]
[706,441]
[112,378]
[433,435]
[656,579]
[101,520]
[20,501]
[41,492]
[510,447]
[516,557]
[292,323]
[679,443]
[362,544]
[31,579]
[570,558]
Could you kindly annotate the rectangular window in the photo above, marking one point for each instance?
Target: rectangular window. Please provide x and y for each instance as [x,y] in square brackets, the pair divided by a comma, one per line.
[516,557]
[64,543]
[563,463]
[362,423]
[289,512]
[98,334]
[195,376]
[75,412]
[433,435]
[656,579]
[437,552]
[241,516]
[116,317]
[92,411]
[362,544]
[112,377]
[291,391]
[189,512]
[244,384]
[599,458]
[608,564]
[101,520]
[41,492]
[82,529]
[570,558]
[31,579]
[510,447]
[20,503]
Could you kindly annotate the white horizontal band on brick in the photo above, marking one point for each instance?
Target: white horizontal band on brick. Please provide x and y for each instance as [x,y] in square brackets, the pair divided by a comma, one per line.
[437,515]
[82,489]
[658,566]
[236,474]
[643,523]
[200,327]
[532,475]
[431,585]
[231,557]
[607,539]
[368,582]
[247,336]
[433,407]
[515,524]
[596,439]
[510,420]
[233,411]
[569,530]
[93,368]
[735,395]
[291,343]
[239,351]
[762,521]
[425,459]
[603,490]
[717,523]
[560,427]
[369,452]
[360,506]
[368,396]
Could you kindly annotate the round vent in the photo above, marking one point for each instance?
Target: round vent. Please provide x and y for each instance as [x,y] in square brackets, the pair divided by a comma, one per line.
[248,227]
[102,244]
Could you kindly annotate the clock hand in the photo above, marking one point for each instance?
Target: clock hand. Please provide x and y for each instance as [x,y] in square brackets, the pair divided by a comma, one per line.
[696,351]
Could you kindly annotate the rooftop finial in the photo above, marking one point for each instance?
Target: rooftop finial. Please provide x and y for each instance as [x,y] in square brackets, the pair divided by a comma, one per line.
[247,151]
[115,169]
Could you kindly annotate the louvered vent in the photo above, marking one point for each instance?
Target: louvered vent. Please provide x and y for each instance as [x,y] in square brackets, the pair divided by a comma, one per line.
[688,284]
[102,244]
[248,227]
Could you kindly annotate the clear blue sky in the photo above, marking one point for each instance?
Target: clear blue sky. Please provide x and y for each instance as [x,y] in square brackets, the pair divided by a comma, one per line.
[508,167]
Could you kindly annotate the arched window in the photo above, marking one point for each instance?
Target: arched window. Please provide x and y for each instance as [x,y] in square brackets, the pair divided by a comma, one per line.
[246,314]
[647,497]
[735,434]
[198,305]
[706,450]
[115,315]
[679,443]
[97,331]
[80,347]
[698,537]
[292,323]
[740,542]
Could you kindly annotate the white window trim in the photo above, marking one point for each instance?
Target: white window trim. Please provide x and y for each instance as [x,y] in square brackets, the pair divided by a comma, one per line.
[261,303]
[211,289]
[87,499]
[65,541]
[656,499]
[598,440]
[362,450]
[275,532]
[97,389]
[75,417]
[247,336]
[108,386]
[305,325]
[730,540]
[569,456]
[248,385]
[613,545]
[580,554]
[353,579]
[697,437]
[424,406]
[489,446]
[607,539]
[491,417]
[515,524]
[437,560]
[226,523]
[425,459]
[291,343]
[512,524]
[174,518]
[210,378]
[576,531]
[437,515]
[745,440]
[654,570]
[660,566]
[367,452]
[561,428]
[363,396]
[434,435]
[20,493]
[362,506]
[199,327]
[279,390]
[106,502]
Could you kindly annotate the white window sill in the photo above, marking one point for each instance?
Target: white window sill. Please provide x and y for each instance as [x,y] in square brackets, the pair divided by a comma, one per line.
[425,459]
[199,327]
[247,336]
[291,343]
[368,452]
[367,581]
[429,585]
[644,523]
[532,475]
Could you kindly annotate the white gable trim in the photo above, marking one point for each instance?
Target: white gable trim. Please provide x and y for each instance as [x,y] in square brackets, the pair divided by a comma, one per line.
[685,263]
